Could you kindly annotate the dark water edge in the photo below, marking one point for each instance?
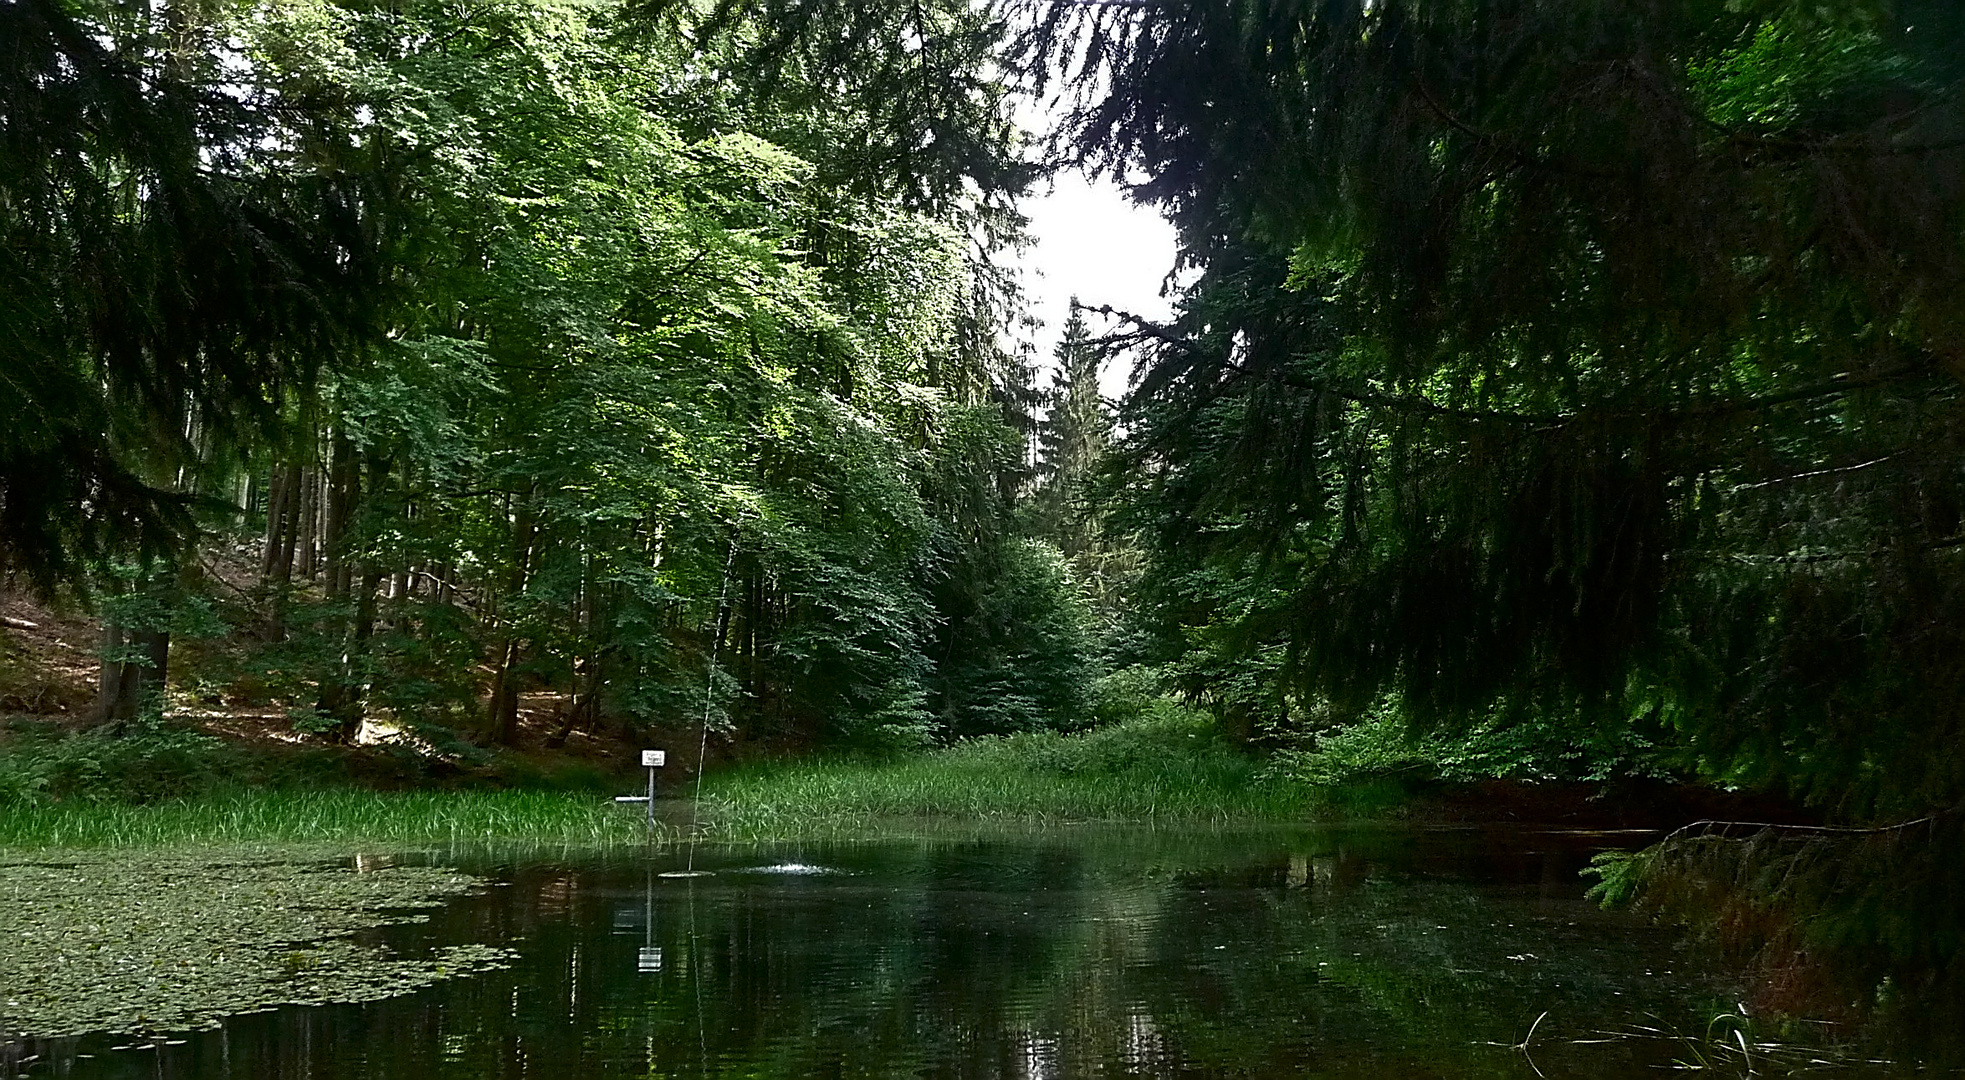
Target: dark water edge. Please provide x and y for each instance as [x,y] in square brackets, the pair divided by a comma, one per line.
[1353,952]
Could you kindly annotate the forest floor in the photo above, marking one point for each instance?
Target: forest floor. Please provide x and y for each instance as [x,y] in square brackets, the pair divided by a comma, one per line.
[48,660]
[49,667]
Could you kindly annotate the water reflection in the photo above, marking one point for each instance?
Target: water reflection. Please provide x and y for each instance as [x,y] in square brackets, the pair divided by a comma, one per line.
[1340,954]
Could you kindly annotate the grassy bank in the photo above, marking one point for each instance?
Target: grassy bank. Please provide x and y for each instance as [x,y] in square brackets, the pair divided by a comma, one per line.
[449,818]
[1166,767]
[163,786]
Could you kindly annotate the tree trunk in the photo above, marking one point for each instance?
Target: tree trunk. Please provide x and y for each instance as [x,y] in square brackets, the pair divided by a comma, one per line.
[310,515]
[504,709]
[582,703]
[292,480]
[503,719]
[341,688]
[276,520]
[135,668]
[282,532]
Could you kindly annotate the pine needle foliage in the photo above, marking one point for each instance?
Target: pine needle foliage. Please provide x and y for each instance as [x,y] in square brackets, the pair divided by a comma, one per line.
[173,262]
[1596,360]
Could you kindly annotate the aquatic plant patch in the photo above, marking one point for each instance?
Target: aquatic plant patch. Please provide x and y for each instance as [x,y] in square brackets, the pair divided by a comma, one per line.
[168,941]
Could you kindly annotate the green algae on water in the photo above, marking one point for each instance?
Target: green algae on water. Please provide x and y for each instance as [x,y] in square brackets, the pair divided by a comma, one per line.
[98,941]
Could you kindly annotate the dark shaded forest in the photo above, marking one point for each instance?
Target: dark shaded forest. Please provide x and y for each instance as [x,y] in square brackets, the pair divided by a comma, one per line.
[1558,391]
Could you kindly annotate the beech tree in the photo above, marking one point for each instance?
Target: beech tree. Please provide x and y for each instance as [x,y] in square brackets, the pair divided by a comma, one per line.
[647,369]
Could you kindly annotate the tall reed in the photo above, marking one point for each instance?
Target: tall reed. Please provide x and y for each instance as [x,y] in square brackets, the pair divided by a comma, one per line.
[1168,768]
[332,816]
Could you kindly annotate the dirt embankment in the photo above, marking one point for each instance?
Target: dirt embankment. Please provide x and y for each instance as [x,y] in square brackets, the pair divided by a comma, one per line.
[48,658]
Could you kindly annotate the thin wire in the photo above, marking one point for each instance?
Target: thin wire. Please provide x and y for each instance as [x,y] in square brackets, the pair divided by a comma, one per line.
[709,697]
[696,977]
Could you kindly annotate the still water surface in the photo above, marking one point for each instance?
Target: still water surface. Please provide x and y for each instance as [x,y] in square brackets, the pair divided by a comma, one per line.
[1334,953]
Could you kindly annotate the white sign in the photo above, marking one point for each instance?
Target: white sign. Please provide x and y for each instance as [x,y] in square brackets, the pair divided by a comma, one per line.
[652,759]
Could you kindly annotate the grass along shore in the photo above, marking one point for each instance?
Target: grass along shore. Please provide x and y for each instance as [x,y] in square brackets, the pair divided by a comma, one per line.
[352,816]
[1166,767]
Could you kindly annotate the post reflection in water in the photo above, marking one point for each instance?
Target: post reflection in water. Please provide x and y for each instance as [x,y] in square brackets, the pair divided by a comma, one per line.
[1361,954]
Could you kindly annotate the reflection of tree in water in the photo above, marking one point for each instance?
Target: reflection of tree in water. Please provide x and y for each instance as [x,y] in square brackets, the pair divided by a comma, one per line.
[1349,955]
[1325,960]
[1858,925]
[1070,959]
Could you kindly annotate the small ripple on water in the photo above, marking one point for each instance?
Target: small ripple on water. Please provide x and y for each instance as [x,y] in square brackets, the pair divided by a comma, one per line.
[796,869]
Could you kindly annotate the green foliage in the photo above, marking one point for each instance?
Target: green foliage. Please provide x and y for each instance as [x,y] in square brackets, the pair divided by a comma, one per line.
[153,764]
[1555,364]
[1019,655]
[1069,504]
[1162,739]
[1073,440]
[1167,765]
[1839,915]
[1126,693]
[137,600]
[1620,875]
[1383,744]
[681,404]
[173,262]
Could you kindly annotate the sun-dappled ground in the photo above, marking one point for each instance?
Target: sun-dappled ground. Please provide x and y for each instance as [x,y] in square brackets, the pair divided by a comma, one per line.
[49,667]
[48,657]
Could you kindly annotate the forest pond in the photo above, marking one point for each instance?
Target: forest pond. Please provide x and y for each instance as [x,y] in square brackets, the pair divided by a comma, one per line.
[1387,952]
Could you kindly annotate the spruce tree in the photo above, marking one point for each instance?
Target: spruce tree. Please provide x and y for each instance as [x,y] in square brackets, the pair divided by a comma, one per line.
[1072,440]
[1574,360]
[172,265]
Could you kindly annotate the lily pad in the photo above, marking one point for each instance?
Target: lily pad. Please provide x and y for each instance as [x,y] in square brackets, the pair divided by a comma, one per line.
[149,942]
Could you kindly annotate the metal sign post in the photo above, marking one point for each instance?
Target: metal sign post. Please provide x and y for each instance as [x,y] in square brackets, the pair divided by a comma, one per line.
[650,760]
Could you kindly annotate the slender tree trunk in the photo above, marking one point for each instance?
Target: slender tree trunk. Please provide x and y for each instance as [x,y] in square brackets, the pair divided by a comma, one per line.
[504,704]
[721,624]
[276,514]
[245,495]
[341,689]
[282,527]
[582,703]
[747,647]
[292,479]
[310,515]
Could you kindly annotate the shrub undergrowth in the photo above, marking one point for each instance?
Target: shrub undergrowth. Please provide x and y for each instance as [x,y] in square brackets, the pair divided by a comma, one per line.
[1382,748]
